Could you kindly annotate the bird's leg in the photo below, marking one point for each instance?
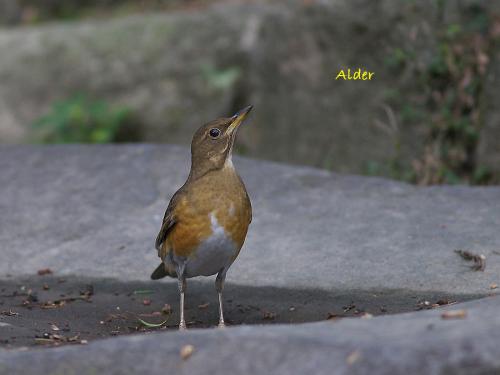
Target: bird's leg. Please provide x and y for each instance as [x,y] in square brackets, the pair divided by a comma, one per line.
[219,285]
[182,288]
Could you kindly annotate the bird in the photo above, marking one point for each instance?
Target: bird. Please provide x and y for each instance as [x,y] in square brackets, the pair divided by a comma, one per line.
[207,219]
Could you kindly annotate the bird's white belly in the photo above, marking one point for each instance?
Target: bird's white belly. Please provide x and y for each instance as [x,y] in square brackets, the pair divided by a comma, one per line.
[214,254]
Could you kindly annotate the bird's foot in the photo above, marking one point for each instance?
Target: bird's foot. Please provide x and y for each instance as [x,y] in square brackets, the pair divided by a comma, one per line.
[221,325]
[182,326]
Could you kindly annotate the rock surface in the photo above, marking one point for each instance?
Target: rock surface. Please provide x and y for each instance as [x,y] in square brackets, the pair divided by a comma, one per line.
[182,69]
[67,207]
[93,212]
[414,343]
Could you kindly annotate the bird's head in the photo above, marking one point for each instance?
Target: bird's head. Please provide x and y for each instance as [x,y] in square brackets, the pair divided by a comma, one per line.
[212,144]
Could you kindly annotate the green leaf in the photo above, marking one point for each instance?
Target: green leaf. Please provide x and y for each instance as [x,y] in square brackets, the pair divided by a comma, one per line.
[144,291]
[151,325]
[81,119]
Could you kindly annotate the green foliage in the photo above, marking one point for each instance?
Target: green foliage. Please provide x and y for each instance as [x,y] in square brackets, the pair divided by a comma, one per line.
[220,79]
[80,119]
[393,169]
[397,58]
[37,11]
[411,114]
[453,30]
[449,111]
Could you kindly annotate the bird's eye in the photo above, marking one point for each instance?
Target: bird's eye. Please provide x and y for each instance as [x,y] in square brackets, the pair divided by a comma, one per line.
[214,132]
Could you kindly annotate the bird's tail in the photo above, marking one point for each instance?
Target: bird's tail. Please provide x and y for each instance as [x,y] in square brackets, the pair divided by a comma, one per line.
[161,271]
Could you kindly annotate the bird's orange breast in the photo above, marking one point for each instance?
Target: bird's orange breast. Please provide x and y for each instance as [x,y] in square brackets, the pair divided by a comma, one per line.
[225,200]
[192,229]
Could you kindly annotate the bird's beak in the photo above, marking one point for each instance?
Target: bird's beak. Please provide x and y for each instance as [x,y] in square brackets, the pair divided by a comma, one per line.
[238,118]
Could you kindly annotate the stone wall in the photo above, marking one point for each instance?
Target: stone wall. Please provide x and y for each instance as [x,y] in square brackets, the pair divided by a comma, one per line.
[179,69]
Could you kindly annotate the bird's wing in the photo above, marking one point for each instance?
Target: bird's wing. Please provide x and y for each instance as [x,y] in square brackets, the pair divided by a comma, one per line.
[169,221]
[166,226]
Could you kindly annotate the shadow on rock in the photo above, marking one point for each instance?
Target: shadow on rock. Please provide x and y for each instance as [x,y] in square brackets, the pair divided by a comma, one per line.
[53,310]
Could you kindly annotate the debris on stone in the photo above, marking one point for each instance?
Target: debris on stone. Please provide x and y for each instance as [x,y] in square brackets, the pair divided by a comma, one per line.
[112,317]
[9,313]
[187,351]
[349,307]
[478,259]
[62,301]
[44,271]
[443,302]
[40,340]
[146,302]
[166,309]
[493,286]
[57,339]
[268,315]
[332,316]
[454,314]
[203,305]
[425,305]
[53,304]
[31,296]
[88,291]
[151,315]
[151,325]
[143,291]
[53,327]
[353,357]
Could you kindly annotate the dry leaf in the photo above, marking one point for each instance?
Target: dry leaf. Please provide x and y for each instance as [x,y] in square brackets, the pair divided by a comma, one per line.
[332,316]
[187,351]
[268,315]
[9,313]
[349,308]
[40,340]
[203,306]
[493,286]
[478,259]
[166,309]
[454,314]
[353,357]
[53,327]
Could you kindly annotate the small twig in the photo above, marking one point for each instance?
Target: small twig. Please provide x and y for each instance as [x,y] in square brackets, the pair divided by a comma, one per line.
[62,301]
[478,259]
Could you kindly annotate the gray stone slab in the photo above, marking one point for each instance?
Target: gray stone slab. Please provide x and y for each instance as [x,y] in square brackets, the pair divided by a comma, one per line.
[93,212]
[414,343]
